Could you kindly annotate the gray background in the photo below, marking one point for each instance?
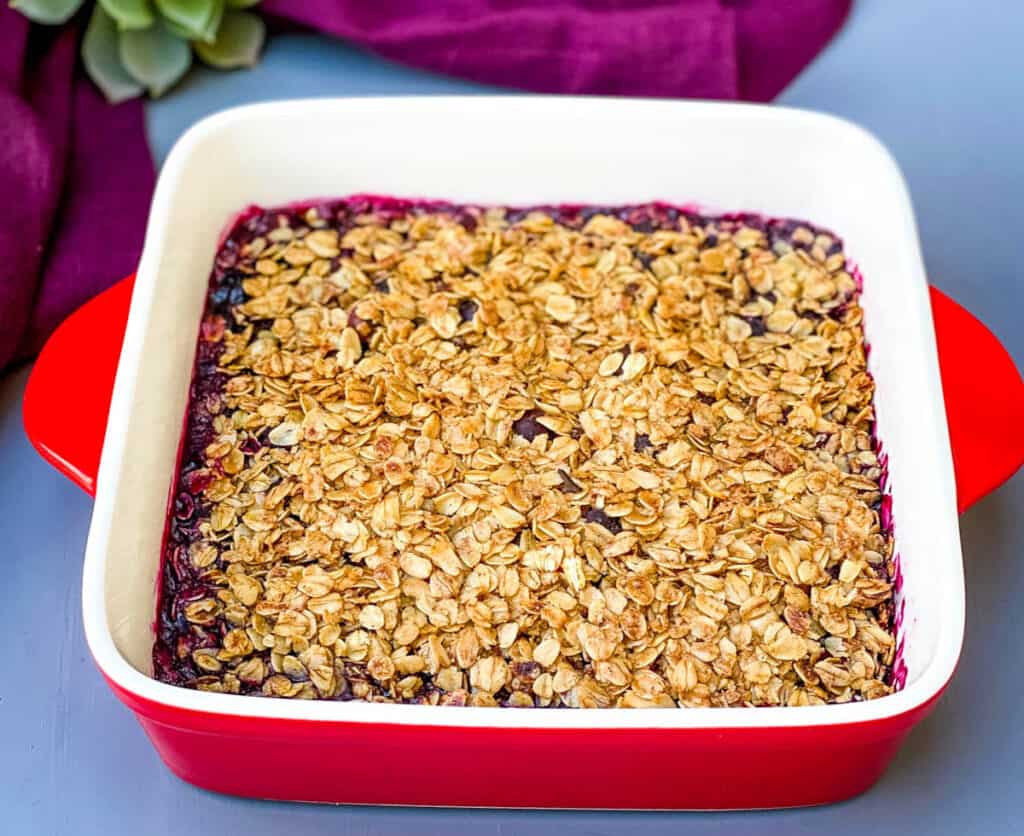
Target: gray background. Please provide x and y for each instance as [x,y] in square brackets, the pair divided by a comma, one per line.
[940,82]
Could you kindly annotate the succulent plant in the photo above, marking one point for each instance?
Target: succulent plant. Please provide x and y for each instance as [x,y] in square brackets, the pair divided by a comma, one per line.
[131,46]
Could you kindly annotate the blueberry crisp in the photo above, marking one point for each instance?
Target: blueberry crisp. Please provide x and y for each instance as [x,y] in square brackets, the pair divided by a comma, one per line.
[550,457]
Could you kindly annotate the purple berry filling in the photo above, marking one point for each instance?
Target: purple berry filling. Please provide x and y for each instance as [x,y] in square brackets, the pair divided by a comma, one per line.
[529,427]
[596,515]
[642,442]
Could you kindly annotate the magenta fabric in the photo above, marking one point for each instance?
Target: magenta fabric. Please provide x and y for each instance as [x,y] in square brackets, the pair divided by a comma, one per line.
[711,49]
[76,175]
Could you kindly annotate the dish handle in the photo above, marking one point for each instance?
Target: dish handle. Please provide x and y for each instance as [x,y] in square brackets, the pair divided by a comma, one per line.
[69,389]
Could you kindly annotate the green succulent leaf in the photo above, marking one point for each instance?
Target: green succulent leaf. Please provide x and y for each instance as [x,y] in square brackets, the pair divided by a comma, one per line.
[192,19]
[99,54]
[47,11]
[238,43]
[130,14]
[176,30]
[241,4]
[155,57]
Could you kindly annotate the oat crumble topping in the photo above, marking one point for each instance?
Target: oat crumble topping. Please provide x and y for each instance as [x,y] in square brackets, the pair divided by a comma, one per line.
[580,457]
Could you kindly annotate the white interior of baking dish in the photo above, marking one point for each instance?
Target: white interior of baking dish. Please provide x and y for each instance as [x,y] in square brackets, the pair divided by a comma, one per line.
[511,150]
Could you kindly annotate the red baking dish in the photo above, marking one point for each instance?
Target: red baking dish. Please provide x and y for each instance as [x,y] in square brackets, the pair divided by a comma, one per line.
[508,150]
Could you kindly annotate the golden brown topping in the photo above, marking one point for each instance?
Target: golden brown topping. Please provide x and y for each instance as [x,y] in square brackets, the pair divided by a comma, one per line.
[533,463]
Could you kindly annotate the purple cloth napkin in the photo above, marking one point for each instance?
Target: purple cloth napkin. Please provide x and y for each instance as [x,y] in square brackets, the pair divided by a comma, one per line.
[76,175]
[709,49]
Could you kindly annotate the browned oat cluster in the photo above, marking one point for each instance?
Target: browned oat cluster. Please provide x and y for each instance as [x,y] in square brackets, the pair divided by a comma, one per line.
[544,459]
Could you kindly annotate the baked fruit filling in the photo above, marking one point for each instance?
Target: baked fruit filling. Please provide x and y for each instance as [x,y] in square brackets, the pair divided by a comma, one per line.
[560,456]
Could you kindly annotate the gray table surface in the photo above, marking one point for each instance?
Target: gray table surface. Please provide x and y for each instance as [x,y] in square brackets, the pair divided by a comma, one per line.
[940,82]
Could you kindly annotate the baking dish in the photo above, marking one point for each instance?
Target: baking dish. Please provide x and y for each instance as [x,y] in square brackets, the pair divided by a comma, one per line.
[516,151]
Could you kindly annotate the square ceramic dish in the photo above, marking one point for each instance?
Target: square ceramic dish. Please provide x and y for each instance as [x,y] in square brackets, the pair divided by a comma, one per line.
[509,151]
